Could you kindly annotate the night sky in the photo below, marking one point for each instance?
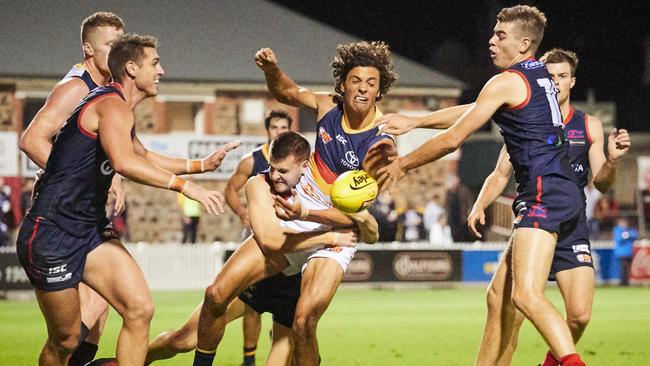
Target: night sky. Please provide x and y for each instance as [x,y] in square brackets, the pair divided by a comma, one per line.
[452,37]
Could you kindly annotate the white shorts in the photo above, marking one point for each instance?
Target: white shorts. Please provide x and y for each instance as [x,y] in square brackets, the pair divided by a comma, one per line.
[313,198]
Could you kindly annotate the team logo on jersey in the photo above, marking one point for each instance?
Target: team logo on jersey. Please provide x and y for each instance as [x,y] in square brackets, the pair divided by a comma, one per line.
[584,258]
[106,168]
[538,211]
[578,168]
[324,135]
[352,158]
[575,134]
[341,139]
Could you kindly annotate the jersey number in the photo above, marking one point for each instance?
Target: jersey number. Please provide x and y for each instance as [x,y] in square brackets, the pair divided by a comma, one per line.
[551,95]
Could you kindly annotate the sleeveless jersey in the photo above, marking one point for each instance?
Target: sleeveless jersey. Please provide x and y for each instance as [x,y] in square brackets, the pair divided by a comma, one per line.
[576,131]
[532,131]
[260,160]
[78,174]
[339,149]
[78,71]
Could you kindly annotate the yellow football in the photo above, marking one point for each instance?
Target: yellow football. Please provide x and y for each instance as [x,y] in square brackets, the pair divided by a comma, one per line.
[353,191]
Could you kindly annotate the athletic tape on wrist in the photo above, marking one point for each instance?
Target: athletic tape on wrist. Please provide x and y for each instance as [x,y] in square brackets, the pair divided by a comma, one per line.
[176,184]
[194,166]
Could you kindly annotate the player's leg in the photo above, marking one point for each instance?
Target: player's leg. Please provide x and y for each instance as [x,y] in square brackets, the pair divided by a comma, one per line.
[94,311]
[245,267]
[319,283]
[127,293]
[172,342]
[499,339]
[281,346]
[61,312]
[252,325]
[532,255]
[577,286]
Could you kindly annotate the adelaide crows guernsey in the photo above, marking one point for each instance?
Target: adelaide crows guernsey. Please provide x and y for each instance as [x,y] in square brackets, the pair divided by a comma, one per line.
[339,148]
[260,159]
[532,131]
[78,71]
[78,174]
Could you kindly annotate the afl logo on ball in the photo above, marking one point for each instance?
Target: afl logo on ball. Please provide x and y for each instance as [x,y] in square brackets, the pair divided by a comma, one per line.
[106,168]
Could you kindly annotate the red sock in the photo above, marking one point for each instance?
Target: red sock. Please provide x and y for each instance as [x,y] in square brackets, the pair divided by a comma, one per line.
[550,360]
[572,359]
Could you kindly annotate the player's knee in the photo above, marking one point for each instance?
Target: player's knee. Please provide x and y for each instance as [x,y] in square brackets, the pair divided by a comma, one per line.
[139,309]
[216,299]
[65,342]
[579,320]
[304,325]
[494,300]
[526,300]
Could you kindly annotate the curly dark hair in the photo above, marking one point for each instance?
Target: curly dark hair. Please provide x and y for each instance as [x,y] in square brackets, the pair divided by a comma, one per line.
[375,54]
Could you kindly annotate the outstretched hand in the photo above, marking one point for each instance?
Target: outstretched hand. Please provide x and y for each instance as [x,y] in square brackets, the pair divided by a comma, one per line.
[477,215]
[390,174]
[395,124]
[265,59]
[214,160]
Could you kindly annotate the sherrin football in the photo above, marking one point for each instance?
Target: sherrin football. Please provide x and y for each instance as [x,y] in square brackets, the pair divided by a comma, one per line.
[353,191]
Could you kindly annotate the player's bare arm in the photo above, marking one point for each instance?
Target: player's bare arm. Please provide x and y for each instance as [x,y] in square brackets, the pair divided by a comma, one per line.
[188,166]
[399,124]
[113,121]
[36,142]
[494,185]
[235,184]
[504,89]
[275,239]
[286,91]
[603,167]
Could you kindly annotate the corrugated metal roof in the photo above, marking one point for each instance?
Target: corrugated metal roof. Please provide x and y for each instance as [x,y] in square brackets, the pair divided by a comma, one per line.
[201,40]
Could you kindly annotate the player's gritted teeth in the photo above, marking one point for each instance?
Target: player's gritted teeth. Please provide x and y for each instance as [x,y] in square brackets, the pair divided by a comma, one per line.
[361,99]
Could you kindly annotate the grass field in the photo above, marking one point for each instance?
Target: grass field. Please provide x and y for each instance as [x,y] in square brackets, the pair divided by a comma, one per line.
[379,327]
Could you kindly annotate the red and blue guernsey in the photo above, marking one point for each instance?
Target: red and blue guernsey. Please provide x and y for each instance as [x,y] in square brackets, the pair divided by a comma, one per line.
[78,71]
[547,194]
[78,174]
[260,159]
[339,148]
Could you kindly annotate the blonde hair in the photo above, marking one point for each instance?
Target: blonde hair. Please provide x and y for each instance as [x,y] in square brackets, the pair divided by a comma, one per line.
[531,21]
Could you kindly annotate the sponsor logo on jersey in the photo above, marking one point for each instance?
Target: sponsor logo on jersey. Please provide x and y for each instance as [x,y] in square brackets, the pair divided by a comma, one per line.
[341,139]
[577,142]
[531,64]
[538,211]
[578,168]
[575,134]
[324,136]
[105,168]
[58,269]
[352,158]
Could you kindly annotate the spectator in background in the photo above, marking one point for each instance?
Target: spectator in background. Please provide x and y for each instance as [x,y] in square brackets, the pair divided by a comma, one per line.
[191,211]
[6,218]
[432,212]
[592,196]
[412,223]
[460,200]
[624,237]
[606,211]
[383,209]
[440,233]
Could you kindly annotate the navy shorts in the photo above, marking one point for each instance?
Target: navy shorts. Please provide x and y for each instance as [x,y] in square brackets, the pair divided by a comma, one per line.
[277,295]
[551,203]
[53,258]
[574,251]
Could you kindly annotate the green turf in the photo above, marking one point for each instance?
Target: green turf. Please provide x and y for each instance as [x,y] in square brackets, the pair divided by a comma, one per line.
[380,327]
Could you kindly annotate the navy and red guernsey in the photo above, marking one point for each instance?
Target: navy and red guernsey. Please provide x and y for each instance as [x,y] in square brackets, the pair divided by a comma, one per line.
[260,159]
[576,131]
[78,174]
[532,131]
[548,197]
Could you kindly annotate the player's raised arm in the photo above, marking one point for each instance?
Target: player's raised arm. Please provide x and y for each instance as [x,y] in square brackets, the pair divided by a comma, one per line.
[494,185]
[272,237]
[115,123]
[604,168]
[36,142]
[398,124]
[504,89]
[285,90]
